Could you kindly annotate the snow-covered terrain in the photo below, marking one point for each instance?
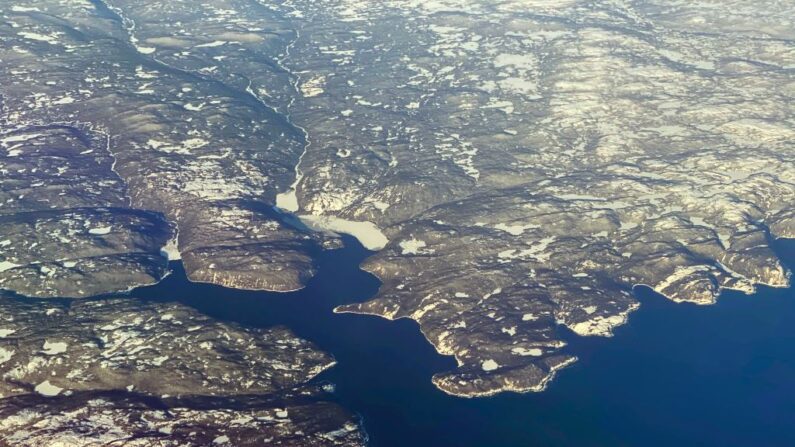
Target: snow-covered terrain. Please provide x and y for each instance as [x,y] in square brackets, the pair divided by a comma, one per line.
[519,165]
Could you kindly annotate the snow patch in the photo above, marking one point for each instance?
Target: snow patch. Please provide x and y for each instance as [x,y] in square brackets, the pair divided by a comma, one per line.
[51,39]
[47,389]
[16,8]
[412,246]
[213,44]
[5,265]
[368,234]
[5,355]
[170,251]
[490,365]
[54,348]
[287,201]
[534,352]
[101,231]
[6,332]
[313,87]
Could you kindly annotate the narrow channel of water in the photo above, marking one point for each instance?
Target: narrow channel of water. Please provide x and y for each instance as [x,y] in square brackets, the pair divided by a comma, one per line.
[682,375]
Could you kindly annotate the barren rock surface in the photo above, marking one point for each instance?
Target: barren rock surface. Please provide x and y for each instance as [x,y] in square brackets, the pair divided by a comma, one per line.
[530,162]
[122,372]
[206,155]
[520,164]
[152,348]
[129,422]
[65,225]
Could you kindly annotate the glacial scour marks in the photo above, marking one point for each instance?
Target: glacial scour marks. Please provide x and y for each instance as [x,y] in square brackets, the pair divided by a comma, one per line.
[526,162]
[500,295]
[154,348]
[189,141]
[116,369]
[66,227]
[533,162]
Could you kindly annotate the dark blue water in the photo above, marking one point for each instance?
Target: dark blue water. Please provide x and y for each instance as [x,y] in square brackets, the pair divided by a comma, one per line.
[677,374]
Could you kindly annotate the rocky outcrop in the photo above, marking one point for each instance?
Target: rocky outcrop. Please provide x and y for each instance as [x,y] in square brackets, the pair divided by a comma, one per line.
[123,372]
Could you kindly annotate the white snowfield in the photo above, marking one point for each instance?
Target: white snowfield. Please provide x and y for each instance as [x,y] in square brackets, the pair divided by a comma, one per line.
[366,232]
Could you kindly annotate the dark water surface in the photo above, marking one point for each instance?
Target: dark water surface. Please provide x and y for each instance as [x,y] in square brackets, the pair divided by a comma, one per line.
[676,375]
